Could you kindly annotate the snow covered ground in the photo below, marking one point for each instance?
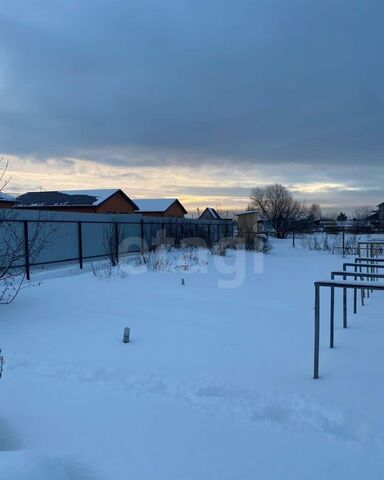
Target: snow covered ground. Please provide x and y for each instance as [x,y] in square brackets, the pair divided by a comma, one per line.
[215,385]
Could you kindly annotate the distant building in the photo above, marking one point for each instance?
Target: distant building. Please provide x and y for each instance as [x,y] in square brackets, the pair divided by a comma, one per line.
[377,217]
[6,200]
[324,223]
[210,214]
[381,212]
[160,207]
[248,222]
[86,201]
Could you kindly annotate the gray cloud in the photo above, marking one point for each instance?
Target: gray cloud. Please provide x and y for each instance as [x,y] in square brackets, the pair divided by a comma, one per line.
[268,90]
[272,81]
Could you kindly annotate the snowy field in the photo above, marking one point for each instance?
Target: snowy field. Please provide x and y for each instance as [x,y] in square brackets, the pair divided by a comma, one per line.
[215,385]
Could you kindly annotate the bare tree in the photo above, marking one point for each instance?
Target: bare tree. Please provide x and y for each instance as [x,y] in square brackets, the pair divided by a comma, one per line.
[12,247]
[275,205]
[314,212]
[361,214]
[224,213]
[362,217]
[4,180]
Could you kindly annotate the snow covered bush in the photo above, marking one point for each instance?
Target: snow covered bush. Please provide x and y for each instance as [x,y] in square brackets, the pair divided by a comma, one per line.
[156,260]
[191,256]
[255,243]
[164,259]
[103,270]
[219,248]
[170,259]
[265,245]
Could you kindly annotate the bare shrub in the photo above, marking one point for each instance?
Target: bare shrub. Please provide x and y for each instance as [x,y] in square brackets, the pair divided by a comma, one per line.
[112,238]
[219,248]
[254,242]
[155,260]
[12,245]
[163,259]
[333,243]
[266,245]
[190,256]
[12,251]
[102,270]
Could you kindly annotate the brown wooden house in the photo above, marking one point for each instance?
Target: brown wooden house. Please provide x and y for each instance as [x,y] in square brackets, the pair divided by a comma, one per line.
[160,207]
[210,214]
[6,200]
[86,201]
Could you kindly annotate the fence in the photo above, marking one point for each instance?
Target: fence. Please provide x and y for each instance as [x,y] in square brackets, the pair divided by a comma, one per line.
[71,237]
[365,282]
[342,242]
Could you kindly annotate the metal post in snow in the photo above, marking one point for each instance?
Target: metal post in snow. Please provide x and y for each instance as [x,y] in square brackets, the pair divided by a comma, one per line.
[317,333]
[355,294]
[117,242]
[26,250]
[80,243]
[209,235]
[345,298]
[332,319]
[344,302]
[142,235]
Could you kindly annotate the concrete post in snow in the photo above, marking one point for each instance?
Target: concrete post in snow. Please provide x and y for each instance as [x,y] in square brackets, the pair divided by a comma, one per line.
[126,335]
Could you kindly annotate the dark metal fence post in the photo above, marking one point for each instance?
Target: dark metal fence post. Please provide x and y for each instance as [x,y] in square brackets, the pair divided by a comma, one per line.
[345,299]
[182,231]
[80,243]
[26,250]
[332,320]
[343,241]
[117,242]
[317,333]
[209,235]
[293,240]
[142,235]
[355,294]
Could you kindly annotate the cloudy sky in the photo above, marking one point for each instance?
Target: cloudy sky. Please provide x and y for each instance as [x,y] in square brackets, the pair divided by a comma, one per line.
[200,99]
